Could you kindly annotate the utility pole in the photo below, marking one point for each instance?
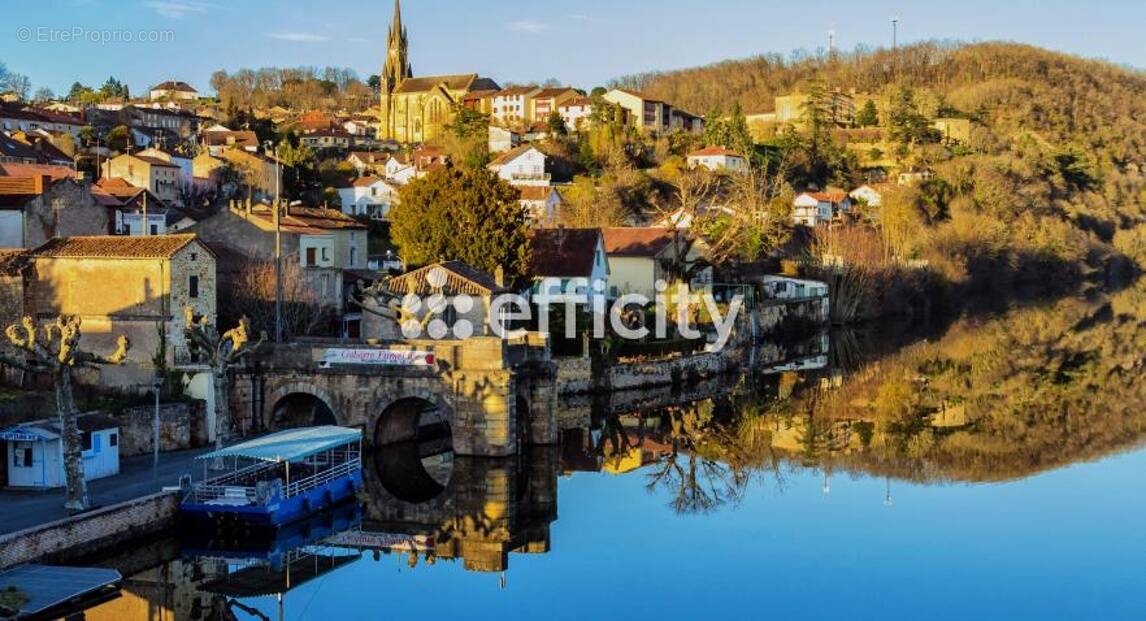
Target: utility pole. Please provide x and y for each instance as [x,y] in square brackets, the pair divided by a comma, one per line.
[143,227]
[895,33]
[278,251]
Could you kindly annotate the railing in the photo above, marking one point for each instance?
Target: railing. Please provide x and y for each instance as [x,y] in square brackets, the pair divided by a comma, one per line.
[321,478]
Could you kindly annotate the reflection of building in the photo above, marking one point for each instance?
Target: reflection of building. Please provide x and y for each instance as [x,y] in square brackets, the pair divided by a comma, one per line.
[489,509]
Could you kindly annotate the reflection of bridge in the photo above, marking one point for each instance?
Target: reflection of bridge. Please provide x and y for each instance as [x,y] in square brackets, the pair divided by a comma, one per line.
[493,395]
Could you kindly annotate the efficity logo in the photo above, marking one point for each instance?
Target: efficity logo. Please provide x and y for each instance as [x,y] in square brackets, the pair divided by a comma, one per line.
[440,316]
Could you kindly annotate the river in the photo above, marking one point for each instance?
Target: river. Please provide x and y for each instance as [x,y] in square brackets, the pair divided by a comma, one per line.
[987,470]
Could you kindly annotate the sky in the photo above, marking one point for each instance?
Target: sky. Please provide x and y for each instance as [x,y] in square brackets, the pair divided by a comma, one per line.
[583,43]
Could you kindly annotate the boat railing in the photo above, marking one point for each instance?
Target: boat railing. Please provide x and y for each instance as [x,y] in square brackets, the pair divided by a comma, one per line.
[322,477]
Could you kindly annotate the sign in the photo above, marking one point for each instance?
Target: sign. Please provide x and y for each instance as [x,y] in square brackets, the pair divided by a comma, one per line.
[381,541]
[389,357]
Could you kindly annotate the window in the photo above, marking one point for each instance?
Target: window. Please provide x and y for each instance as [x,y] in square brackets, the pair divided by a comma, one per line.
[310,257]
[194,256]
[113,439]
[154,228]
[193,286]
[87,439]
[353,255]
[325,256]
[22,456]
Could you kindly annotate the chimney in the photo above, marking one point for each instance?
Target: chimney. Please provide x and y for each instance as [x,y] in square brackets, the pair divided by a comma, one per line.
[499,276]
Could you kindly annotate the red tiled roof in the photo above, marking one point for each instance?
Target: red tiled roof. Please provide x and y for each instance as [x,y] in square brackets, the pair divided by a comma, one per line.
[511,154]
[563,252]
[154,161]
[830,197]
[304,220]
[174,85]
[114,246]
[14,169]
[362,182]
[636,241]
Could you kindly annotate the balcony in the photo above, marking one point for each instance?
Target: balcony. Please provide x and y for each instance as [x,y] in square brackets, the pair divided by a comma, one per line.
[530,176]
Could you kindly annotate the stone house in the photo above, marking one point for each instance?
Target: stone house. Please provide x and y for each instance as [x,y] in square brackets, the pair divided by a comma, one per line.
[324,242]
[450,279]
[36,209]
[155,278]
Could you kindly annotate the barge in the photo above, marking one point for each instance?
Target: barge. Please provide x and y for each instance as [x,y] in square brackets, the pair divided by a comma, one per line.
[276,479]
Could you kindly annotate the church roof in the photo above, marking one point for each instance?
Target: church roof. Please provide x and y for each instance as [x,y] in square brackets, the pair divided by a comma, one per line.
[458,82]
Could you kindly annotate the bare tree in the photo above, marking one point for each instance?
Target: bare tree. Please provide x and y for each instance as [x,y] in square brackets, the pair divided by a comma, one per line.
[220,353]
[54,348]
[758,217]
[304,311]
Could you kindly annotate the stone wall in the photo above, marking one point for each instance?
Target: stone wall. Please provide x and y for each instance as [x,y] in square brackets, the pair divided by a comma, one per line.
[180,427]
[92,531]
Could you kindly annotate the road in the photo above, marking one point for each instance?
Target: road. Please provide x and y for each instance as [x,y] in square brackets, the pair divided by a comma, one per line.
[24,509]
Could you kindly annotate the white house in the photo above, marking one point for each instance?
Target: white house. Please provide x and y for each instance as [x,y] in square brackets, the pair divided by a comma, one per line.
[511,105]
[368,196]
[398,171]
[640,256]
[813,208]
[173,89]
[36,451]
[718,158]
[784,288]
[502,139]
[871,195]
[524,165]
[576,112]
[540,202]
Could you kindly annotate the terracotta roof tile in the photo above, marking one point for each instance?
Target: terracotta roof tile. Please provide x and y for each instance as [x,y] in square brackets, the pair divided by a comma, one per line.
[708,151]
[461,278]
[563,252]
[114,246]
[636,241]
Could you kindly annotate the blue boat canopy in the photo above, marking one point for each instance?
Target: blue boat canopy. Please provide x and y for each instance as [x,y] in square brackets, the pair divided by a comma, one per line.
[290,445]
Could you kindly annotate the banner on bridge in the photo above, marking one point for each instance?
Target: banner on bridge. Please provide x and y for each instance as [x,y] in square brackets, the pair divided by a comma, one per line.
[390,357]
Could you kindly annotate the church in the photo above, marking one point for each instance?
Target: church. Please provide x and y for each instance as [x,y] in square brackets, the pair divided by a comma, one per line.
[415,110]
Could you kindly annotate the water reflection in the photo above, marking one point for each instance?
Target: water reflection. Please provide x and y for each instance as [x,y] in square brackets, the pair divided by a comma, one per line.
[998,398]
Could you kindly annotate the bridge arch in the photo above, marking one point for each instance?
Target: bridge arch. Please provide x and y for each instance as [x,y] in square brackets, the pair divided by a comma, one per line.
[299,404]
[398,418]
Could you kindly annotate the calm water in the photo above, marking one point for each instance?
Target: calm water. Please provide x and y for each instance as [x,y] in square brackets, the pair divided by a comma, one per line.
[993,470]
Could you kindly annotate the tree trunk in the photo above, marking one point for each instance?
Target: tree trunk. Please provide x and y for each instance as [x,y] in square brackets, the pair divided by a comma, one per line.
[77,485]
[222,407]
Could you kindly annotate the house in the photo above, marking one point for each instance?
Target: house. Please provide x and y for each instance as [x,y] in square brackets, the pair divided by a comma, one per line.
[870,194]
[173,89]
[429,157]
[37,208]
[369,196]
[775,287]
[367,161]
[568,261]
[576,112]
[448,278]
[639,257]
[131,203]
[512,106]
[644,113]
[718,158]
[547,101]
[540,203]
[399,171]
[35,453]
[324,242]
[261,172]
[147,171]
[523,165]
[502,139]
[840,108]
[218,139]
[681,121]
[156,123]
[914,177]
[480,101]
[683,218]
[14,151]
[814,208]
[326,139]
[155,278]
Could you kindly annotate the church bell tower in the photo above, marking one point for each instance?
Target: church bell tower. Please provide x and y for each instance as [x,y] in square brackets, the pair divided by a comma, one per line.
[394,71]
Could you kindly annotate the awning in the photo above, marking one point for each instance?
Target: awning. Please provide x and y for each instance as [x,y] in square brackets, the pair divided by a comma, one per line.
[290,445]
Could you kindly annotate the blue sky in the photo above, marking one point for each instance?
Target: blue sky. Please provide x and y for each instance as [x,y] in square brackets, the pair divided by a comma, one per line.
[584,43]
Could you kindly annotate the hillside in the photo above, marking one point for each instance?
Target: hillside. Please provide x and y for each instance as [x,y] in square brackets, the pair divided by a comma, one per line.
[1048,181]
[1090,104]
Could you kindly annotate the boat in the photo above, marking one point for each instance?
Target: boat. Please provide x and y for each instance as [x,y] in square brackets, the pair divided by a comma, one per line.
[276,479]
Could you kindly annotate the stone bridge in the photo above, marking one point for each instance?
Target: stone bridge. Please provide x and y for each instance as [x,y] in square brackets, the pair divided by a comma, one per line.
[493,396]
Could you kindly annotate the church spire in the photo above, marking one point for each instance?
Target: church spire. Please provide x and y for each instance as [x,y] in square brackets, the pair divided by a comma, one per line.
[397,65]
